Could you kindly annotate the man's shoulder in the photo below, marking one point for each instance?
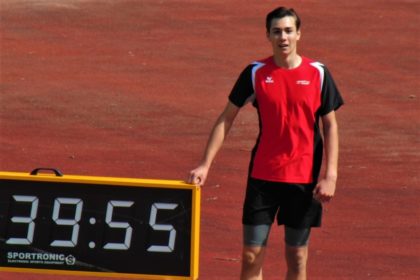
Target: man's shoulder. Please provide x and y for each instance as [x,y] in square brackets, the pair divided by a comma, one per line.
[255,65]
[261,62]
[311,62]
[314,63]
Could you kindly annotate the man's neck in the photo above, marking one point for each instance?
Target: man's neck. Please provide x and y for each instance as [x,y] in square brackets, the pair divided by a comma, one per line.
[288,62]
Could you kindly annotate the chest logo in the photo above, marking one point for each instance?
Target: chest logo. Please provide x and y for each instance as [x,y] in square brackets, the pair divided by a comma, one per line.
[269,80]
[303,82]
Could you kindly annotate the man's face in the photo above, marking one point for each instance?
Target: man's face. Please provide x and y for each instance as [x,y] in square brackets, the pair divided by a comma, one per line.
[283,35]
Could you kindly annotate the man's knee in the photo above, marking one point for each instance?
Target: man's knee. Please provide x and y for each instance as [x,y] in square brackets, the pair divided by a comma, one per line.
[297,258]
[253,256]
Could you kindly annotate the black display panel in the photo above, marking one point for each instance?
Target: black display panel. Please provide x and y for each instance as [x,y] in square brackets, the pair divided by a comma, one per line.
[95,227]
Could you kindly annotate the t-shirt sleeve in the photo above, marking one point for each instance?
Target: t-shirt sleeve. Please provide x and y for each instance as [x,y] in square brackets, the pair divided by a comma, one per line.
[331,97]
[243,90]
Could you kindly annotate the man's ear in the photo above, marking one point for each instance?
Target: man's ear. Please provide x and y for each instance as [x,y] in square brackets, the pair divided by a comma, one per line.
[298,34]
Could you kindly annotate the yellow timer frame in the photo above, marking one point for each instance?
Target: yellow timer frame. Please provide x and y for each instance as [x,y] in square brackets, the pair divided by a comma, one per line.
[98,226]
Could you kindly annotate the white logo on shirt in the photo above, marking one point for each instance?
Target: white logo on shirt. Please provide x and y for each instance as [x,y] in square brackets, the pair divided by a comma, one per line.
[303,82]
[269,80]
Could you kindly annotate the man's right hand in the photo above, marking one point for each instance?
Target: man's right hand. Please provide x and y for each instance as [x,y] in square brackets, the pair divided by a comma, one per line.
[198,175]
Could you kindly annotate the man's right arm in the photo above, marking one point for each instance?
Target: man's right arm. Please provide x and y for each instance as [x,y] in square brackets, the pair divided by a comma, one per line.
[217,136]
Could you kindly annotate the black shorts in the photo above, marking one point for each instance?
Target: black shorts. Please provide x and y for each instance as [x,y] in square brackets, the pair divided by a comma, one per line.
[293,203]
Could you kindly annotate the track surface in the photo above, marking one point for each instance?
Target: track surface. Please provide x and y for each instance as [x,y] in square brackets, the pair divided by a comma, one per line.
[131,89]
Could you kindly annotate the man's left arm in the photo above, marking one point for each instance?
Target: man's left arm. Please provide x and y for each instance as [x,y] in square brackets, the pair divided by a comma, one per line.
[325,189]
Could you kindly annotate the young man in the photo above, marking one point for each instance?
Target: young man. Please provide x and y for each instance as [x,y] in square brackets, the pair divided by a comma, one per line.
[291,93]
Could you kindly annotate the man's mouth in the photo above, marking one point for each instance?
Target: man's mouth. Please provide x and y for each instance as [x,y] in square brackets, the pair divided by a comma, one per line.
[283,46]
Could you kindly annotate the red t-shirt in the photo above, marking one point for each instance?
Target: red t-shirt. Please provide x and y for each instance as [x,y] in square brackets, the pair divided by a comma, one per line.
[289,104]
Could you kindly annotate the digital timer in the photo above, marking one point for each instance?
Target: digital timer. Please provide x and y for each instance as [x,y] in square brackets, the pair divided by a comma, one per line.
[99,226]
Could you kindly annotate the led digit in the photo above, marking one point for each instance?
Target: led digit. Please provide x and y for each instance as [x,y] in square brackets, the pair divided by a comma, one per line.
[67,222]
[112,224]
[162,227]
[25,220]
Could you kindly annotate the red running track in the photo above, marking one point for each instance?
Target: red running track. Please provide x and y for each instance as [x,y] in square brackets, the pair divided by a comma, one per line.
[131,89]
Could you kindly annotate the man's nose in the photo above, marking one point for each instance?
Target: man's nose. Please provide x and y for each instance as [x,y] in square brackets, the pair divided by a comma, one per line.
[283,35]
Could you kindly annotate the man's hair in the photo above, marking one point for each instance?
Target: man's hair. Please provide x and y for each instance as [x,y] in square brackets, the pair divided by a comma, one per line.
[279,13]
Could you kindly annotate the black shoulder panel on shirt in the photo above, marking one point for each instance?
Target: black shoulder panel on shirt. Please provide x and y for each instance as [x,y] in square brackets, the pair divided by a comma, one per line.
[331,97]
[243,88]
